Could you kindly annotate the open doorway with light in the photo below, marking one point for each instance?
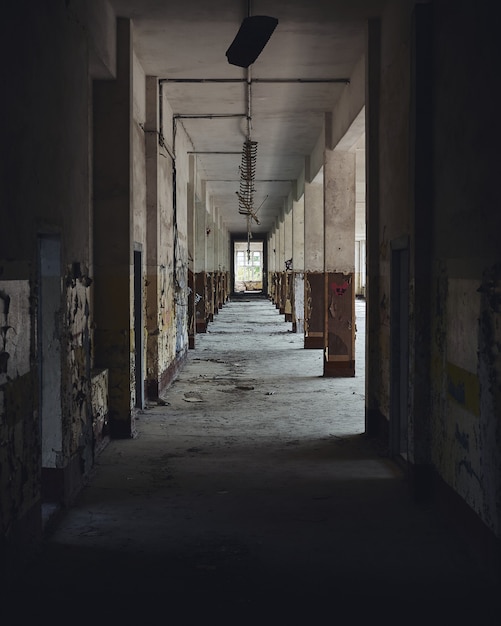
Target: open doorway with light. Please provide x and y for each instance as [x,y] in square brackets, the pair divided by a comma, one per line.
[248,262]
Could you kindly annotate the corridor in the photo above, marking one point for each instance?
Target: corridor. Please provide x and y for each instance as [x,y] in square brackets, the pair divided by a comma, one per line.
[251,495]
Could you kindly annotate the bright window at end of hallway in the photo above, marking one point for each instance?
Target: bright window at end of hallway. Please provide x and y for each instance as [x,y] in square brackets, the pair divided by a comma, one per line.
[248,266]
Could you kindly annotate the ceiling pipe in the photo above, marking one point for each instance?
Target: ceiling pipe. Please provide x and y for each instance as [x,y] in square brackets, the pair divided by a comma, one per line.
[207,116]
[299,81]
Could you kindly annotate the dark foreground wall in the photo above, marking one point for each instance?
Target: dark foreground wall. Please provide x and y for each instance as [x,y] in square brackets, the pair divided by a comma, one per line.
[434,255]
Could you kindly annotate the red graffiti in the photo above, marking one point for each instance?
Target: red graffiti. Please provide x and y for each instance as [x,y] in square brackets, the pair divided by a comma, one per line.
[340,290]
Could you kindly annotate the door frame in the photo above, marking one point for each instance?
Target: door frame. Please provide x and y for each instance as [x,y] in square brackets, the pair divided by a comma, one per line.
[139,326]
[399,347]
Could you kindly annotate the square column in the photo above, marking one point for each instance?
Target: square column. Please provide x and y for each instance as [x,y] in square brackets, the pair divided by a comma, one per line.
[113,263]
[271,265]
[201,219]
[288,297]
[210,263]
[191,206]
[298,265]
[339,263]
[278,261]
[153,235]
[313,265]
[281,263]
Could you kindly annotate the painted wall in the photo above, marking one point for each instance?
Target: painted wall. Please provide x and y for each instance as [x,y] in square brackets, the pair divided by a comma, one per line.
[160,246]
[139,215]
[454,344]
[45,191]
[466,394]
[393,166]
[182,146]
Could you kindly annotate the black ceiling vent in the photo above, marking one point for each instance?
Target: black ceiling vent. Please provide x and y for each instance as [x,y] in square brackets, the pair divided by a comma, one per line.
[251,38]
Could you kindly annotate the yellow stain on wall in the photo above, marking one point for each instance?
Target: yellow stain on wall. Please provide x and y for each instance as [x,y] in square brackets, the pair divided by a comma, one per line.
[464,388]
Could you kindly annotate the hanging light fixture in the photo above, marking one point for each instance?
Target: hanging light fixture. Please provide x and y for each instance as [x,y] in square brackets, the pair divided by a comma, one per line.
[250,40]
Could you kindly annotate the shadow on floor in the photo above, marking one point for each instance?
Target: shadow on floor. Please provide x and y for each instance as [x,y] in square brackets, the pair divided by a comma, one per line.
[246,508]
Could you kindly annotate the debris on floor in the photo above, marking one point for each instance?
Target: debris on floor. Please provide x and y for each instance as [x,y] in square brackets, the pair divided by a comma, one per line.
[193,396]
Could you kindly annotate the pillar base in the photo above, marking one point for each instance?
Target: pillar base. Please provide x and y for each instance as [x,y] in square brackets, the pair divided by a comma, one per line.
[62,484]
[123,428]
[377,425]
[191,343]
[201,327]
[288,317]
[339,369]
[313,343]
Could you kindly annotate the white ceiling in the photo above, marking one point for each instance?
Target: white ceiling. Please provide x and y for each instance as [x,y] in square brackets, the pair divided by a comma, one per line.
[188,40]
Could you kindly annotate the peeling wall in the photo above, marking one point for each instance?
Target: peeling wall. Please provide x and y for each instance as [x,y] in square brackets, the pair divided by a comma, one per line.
[165,338]
[466,405]
[394,167]
[15,325]
[99,407]
[183,145]
[139,216]
[76,374]
[454,255]
[45,191]
[167,280]
[19,447]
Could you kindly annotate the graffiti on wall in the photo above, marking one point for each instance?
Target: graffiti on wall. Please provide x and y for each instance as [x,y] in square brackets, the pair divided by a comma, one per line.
[340,322]
[76,374]
[15,325]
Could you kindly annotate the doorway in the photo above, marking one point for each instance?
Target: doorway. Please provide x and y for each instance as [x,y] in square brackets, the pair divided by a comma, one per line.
[248,267]
[399,337]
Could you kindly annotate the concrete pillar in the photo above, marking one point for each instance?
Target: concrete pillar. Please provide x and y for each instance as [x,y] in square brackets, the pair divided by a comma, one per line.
[417,423]
[375,422]
[225,266]
[113,260]
[314,264]
[191,208]
[281,261]
[276,291]
[339,262]
[210,262]
[219,262]
[360,232]
[281,258]
[200,264]
[271,265]
[152,238]
[298,264]
[277,263]
[288,296]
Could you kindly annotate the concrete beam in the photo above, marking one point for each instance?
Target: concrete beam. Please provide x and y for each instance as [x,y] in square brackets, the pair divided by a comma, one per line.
[348,116]
[313,227]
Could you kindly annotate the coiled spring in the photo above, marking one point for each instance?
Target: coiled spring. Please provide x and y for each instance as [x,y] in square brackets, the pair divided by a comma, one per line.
[247,176]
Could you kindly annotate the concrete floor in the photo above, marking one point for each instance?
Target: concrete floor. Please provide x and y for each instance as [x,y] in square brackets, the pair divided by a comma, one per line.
[253,497]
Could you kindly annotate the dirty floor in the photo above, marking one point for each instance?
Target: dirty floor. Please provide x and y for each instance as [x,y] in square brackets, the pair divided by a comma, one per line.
[252,496]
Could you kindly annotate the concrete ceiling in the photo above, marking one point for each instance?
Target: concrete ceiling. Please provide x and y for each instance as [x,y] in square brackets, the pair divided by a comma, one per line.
[188,40]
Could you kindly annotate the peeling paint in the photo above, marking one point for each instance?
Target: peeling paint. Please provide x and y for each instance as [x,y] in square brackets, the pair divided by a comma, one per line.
[77,422]
[463,387]
[19,433]
[15,329]
[463,438]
